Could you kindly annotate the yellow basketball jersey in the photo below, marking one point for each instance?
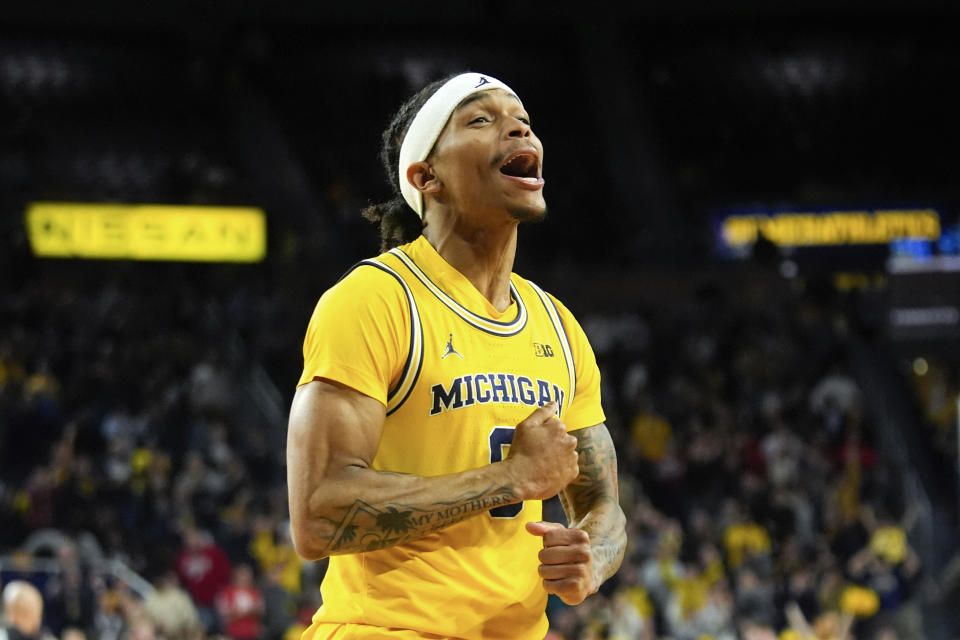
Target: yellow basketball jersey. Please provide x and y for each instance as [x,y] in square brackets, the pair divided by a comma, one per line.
[456,376]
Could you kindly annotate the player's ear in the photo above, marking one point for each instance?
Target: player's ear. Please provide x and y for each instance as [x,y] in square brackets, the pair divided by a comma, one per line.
[421,176]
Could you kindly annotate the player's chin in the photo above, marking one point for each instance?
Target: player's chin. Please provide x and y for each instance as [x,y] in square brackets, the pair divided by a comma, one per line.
[531,212]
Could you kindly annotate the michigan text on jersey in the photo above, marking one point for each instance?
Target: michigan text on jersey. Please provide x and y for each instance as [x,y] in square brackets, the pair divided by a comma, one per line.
[484,388]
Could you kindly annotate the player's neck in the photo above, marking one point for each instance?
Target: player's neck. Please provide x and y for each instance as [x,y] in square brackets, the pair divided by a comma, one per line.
[483,254]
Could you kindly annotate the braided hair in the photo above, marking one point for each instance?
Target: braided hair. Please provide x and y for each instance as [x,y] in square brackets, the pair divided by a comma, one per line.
[399,223]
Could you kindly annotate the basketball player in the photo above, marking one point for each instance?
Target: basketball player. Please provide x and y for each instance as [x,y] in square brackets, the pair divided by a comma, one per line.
[443,397]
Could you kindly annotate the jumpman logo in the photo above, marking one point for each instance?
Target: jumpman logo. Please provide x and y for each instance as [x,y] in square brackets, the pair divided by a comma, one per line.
[450,350]
[482,82]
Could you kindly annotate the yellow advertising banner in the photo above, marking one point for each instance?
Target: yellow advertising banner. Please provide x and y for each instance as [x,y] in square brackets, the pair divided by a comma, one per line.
[146,232]
[832,227]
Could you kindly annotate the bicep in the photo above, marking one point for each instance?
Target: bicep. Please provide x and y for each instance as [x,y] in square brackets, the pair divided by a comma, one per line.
[332,428]
[597,482]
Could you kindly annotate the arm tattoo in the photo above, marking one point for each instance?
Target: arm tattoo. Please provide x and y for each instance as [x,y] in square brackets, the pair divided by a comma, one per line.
[591,502]
[367,527]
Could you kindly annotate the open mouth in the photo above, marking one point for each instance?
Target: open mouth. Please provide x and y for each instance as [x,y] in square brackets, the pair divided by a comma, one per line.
[524,165]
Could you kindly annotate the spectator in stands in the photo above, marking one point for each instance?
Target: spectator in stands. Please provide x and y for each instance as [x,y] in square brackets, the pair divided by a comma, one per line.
[279,604]
[141,629]
[889,566]
[744,539]
[70,601]
[662,569]
[754,598]
[835,398]
[272,548]
[204,569]
[240,605]
[137,622]
[39,493]
[751,631]
[108,620]
[170,608]
[209,386]
[700,602]
[22,611]
[827,626]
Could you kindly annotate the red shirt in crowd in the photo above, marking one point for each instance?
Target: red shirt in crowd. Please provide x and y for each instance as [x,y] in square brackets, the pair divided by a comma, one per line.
[203,569]
[241,606]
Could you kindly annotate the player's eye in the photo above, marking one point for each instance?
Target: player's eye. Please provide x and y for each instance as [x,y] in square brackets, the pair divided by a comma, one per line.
[479,119]
[524,119]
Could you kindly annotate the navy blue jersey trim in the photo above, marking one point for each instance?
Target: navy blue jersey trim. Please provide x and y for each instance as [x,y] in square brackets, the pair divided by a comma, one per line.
[462,312]
[561,331]
[414,331]
[416,377]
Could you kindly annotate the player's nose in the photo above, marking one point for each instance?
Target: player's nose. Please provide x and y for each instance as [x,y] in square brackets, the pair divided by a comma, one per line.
[518,129]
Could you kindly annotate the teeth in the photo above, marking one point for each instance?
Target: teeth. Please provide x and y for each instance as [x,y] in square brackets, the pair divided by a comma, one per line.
[521,157]
[526,165]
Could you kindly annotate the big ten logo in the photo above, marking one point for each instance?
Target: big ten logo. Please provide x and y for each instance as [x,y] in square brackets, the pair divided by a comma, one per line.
[542,350]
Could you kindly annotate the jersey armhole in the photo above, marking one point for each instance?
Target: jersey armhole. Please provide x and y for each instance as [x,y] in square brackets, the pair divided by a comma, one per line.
[554,315]
[413,364]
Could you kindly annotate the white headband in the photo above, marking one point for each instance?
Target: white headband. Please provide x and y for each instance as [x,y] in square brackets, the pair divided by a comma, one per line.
[430,121]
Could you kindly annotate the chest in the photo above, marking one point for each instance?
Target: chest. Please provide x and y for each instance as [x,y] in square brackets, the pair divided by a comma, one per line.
[509,368]
[475,382]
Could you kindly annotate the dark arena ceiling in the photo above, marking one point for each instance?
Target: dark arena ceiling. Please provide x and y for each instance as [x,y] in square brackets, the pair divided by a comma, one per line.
[654,118]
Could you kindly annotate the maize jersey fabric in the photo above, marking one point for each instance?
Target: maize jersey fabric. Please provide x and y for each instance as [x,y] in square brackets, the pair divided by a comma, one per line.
[455,376]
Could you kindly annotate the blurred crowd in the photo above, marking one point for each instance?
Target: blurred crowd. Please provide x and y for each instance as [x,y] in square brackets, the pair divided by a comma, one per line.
[758,506]
[142,484]
[936,384]
[127,435]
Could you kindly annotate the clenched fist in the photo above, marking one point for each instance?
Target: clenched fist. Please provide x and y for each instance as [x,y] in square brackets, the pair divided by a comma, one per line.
[566,562]
[543,456]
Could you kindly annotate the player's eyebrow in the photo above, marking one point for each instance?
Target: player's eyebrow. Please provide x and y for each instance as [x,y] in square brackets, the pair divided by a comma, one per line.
[479,95]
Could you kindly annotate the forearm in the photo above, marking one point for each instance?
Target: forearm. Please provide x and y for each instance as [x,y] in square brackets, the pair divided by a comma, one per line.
[339,504]
[360,509]
[591,502]
[605,524]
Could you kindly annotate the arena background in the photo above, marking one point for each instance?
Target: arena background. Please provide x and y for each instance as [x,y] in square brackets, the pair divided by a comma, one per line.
[142,399]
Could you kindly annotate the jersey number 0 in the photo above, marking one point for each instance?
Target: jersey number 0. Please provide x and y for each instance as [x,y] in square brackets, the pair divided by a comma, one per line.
[500,439]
